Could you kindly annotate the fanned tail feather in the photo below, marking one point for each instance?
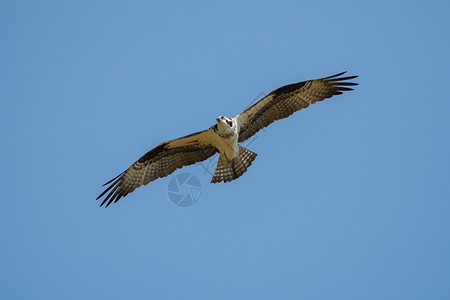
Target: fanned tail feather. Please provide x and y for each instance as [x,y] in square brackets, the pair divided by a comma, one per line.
[236,168]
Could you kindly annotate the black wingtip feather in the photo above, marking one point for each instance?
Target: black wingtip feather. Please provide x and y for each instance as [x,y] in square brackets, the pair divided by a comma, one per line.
[115,198]
[110,187]
[336,75]
[337,83]
[340,88]
[342,78]
[113,191]
[114,178]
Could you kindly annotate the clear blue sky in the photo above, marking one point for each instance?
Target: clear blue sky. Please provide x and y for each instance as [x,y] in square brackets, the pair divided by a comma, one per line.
[348,199]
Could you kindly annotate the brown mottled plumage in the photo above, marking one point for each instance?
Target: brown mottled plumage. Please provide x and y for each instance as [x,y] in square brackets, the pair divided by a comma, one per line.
[284,101]
[223,137]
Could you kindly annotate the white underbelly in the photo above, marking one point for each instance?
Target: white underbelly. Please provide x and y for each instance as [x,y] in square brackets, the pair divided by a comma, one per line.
[228,148]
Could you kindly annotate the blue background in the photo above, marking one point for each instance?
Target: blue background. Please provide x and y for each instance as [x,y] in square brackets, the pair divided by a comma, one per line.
[348,199]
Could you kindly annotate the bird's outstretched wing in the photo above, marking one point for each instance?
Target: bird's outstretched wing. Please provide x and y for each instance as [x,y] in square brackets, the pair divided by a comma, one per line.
[161,161]
[284,101]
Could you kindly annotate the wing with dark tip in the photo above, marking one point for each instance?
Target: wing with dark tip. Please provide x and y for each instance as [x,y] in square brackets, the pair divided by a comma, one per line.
[161,161]
[284,101]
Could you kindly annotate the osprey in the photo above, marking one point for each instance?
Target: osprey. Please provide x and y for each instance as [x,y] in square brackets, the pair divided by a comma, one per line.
[224,138]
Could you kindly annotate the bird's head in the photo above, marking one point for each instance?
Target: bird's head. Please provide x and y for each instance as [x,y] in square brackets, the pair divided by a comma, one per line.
[224,121]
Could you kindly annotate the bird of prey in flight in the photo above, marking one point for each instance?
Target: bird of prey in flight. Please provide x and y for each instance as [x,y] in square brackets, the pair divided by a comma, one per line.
[224,138]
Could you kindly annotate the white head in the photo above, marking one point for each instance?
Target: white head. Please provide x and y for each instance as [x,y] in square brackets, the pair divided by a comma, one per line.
[225,125]
[224,121]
